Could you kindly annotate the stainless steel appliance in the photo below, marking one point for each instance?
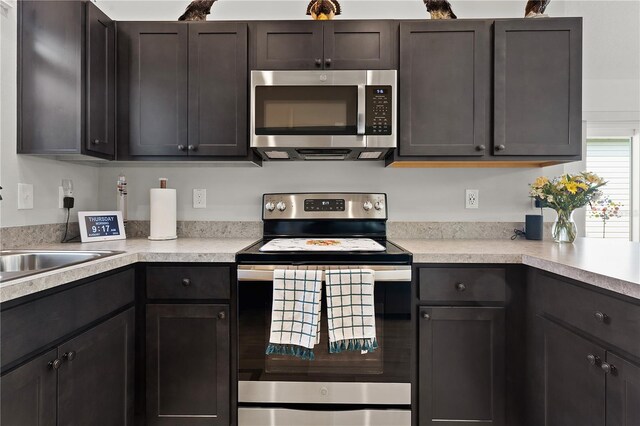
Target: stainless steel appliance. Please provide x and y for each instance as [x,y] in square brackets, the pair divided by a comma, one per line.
[347,388]
[323,115]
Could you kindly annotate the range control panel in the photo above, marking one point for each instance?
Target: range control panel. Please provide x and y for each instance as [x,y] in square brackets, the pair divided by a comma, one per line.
[321,205]
[378,110]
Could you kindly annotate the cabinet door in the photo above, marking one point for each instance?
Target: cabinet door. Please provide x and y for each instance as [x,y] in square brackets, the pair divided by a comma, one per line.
[287,45]
[152,87]
[623,392]
[461,366]
[100,102]
[218,89]
[538,87]
[444,88]
[28,396]
[96,378]
[359,45]
[188,365]
[50,78]
[574,388]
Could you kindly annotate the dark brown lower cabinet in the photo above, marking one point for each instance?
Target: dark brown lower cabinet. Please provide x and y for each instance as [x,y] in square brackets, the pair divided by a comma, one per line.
[95,380]
[574,383]
[461,369]
[188,377]
[623,392]
[90,377]
[28,393]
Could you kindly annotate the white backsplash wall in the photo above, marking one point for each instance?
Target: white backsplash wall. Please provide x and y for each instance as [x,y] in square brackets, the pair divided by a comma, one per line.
[44,174]
[234,193]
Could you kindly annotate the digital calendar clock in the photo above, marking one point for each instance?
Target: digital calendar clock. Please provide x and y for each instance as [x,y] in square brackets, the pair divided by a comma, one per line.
[101,226]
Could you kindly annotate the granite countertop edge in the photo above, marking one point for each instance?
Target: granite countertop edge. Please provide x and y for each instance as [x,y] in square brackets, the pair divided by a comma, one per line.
[540,255]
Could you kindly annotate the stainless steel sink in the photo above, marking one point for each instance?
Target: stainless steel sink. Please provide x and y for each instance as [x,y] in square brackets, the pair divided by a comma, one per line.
[20,263]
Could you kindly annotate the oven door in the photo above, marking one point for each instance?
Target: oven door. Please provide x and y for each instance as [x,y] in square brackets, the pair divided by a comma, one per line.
[380,377]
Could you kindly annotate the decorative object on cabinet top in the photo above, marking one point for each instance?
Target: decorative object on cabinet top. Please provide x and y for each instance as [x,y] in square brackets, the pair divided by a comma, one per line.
[440,9]
[323,10]
[536,8]
[197,10]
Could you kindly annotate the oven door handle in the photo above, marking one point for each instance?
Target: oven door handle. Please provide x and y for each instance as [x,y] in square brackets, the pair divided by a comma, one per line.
[362,104]
[390,275]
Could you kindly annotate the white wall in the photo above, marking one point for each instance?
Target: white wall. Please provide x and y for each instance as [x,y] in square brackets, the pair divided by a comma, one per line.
[611,92]
[45,175]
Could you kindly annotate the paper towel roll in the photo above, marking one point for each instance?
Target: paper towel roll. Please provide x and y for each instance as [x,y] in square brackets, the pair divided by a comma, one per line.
[163,214]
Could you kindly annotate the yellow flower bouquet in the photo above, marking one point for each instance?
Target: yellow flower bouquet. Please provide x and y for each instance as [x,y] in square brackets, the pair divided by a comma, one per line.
[564,194]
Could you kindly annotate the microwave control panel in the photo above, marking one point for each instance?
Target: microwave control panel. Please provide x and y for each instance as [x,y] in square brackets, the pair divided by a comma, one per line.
[378,110]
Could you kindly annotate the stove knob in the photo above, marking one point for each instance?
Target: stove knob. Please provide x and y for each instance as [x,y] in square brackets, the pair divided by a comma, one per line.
[270,206]
[379,205]
[281,206]
[367,205]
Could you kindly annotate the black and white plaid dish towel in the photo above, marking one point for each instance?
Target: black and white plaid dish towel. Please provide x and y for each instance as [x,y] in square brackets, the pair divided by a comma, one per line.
[295,315]
[350,310]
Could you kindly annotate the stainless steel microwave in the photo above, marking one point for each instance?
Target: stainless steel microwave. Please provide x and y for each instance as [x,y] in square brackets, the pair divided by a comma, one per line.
[323,115]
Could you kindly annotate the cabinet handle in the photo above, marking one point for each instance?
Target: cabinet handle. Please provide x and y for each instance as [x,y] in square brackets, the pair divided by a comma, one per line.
[55,364]
[221,315]
[426,315]
[500,148]
[96,142]
[600,316]
[192,148]
[327,62]
[186,282]
[318,62]
[182,148]
[461,287]
[608,368]
[480,148]
[69,356]
[593,359]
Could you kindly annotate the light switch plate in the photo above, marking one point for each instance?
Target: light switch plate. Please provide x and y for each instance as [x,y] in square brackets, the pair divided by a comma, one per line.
[25,196]
[199,198]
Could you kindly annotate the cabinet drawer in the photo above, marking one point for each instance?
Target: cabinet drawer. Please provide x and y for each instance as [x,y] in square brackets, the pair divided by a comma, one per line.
[462,284]
[34,325]
[188,282]
[605,317]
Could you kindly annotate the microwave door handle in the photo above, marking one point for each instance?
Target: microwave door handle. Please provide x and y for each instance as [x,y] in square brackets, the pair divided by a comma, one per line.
[362,101]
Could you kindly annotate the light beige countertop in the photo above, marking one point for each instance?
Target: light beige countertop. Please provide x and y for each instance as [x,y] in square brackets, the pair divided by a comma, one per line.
[609,264]
[214,250]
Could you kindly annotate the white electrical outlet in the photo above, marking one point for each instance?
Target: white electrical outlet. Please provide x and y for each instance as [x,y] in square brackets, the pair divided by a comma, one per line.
[60,197]
[25,196]
[472,198]
[199,198]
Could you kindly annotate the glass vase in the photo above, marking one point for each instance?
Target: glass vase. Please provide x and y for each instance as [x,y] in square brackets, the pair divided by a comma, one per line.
[564,228]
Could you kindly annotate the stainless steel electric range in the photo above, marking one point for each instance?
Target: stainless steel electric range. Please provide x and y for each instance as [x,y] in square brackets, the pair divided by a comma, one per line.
[322,231]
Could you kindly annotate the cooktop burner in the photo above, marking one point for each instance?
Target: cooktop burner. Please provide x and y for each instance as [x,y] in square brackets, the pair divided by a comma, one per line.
[391,253]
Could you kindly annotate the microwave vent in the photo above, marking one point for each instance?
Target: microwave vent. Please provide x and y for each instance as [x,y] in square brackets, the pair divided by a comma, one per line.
[277,155]
[370,155]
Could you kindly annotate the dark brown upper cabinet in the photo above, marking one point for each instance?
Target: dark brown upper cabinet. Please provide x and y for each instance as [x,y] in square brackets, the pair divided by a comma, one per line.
[182,90]
[444,88]
[66,89]
[307,45]
[218,89]
[152,89]
[538,87]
